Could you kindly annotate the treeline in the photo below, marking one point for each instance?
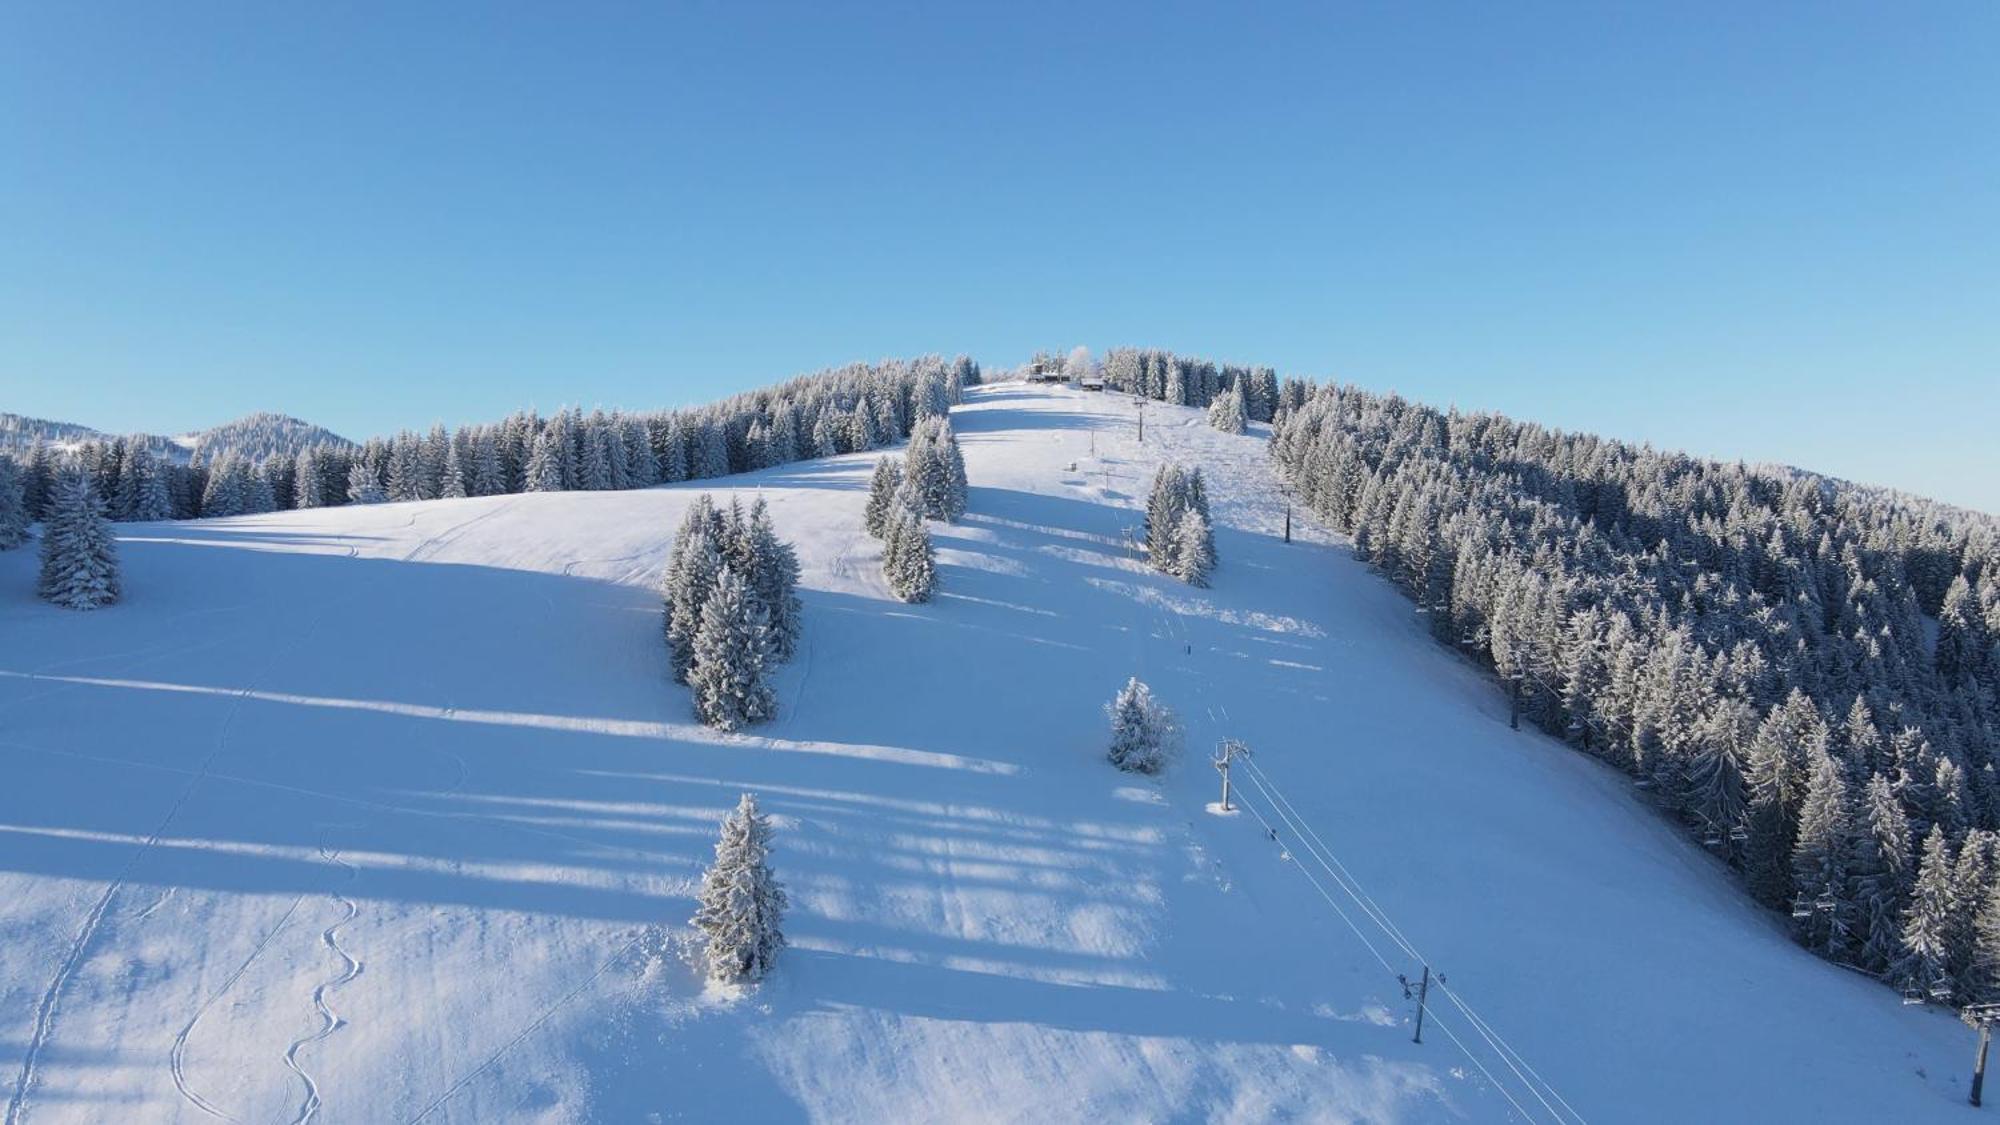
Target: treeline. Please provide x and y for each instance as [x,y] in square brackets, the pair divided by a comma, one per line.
[1754,646]
[840,410]
[1802,671]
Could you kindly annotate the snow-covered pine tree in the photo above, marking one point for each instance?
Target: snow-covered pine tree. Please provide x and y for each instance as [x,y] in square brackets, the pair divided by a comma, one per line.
[1924,969]
[732,654]
[79,555]
[151,499]
[308,480]
[1822,912]
[773,574]
[742,905]
[489,477]
[1143,730]
[1164,505]
[451,477]
[544,471]
[1228,412]
[362,485]
[1193,549]
[909,563]
[13,506]
[881,496]
[1881,875]
[691,575]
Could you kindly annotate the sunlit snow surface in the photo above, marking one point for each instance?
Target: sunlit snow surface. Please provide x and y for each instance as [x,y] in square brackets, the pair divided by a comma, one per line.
[390,813]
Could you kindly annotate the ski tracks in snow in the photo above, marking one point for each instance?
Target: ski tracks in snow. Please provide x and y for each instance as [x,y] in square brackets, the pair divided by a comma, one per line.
[330,1020]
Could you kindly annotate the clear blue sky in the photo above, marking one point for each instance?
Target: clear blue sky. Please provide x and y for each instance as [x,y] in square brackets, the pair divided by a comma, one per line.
[1756,230]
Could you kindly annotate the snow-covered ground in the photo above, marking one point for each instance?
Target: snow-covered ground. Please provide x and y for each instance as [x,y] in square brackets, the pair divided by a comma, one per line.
[380,814]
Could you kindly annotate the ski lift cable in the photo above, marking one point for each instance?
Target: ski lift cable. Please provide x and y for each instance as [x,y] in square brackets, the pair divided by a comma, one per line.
[1387,967]
[1348,883]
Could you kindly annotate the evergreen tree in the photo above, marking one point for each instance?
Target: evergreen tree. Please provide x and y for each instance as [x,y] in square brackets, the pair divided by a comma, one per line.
[451,477]
[1924,969]
[79,556]
[1193,549]
[1881,874]
[362,485]
[742,905]
[13,506]
[691,577]
[881,494]
[488,475]
[1822,913]
[908,561]
[1228,412]
[731,657]
[772,569]
[1143,730]
[544,470]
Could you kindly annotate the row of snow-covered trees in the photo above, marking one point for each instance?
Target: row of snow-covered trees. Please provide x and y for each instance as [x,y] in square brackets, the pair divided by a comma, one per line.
[732,610]
[842,410]
[1179,539]
[1803,671]
[1181,381]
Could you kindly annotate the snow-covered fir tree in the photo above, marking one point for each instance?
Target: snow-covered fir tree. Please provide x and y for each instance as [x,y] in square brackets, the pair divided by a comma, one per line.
[1144,732]
[772,569]
[936,467]
[1175,543]
[742,904]
[882,486]
[13,506]
[79,555]
[691,575]
[732,657]
[909,562]
[1193,548]
[1228,412]
[362,485]
[544,469]
[451,477]
[1929,925]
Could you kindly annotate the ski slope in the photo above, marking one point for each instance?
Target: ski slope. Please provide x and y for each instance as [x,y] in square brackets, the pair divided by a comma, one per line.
[390,814]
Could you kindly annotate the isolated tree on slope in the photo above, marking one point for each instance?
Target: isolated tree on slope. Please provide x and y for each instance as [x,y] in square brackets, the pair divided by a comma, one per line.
[882,496]
[13,506]
[1227,413]
[732,654]
[742,905]
[1143,730]
[79,556]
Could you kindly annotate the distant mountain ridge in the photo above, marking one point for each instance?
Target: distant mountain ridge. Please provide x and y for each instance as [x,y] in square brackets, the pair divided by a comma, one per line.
[253,435]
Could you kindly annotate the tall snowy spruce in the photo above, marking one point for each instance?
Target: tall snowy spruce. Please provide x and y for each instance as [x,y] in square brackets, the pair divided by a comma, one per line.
[363,487]
[1143,730]
[742,904]
[1929,925]
[936,468]
[79,556]
[691,575]
[882,486]
[13,506]
[1179,538]
[772,569]
[909,563]
[544,469]
[732,657]
[1228,412]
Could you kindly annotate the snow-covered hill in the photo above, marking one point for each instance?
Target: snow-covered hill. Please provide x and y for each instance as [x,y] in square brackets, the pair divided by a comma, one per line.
[376,814]
[254,435]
